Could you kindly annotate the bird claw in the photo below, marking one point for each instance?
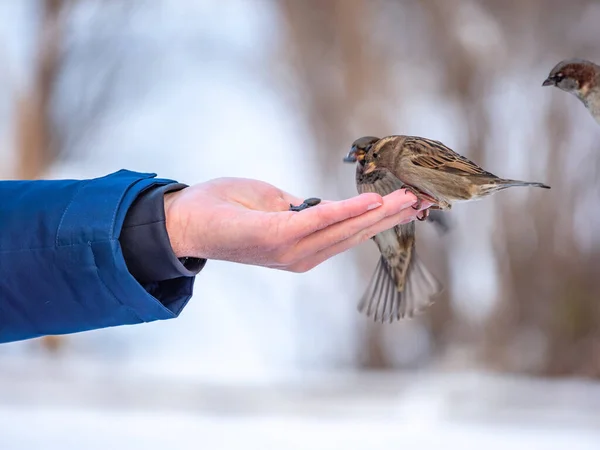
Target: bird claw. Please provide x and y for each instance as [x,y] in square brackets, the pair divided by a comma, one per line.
[307,203]
[420,197]
[417,194]
[423,216]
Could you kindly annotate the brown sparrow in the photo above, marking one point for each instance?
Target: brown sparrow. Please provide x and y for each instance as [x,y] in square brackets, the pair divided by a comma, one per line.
[401,285]
[432,172]
[580,78]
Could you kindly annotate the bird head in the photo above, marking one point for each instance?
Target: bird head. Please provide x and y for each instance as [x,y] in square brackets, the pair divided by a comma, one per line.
[576,76]
[359,149]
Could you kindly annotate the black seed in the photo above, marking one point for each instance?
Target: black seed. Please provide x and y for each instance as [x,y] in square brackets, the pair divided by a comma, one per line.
[313,201]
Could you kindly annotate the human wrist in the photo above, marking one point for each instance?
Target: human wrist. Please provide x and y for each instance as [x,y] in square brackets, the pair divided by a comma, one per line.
[145,242]
[176,225]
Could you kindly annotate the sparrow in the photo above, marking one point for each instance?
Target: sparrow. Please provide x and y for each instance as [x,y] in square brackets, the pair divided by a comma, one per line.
[401,285]
[580,78]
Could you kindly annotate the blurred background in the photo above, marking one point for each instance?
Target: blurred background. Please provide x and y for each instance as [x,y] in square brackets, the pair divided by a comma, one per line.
[509,355]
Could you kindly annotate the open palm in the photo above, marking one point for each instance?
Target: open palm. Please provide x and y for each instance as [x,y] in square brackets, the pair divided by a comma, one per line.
[248,221]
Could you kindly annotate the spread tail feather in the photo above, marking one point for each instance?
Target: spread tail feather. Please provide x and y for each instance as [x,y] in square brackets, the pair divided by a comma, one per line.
[384,302]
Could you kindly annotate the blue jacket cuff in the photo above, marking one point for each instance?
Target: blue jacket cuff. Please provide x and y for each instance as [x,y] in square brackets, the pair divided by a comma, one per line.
[113,196]
[61,263]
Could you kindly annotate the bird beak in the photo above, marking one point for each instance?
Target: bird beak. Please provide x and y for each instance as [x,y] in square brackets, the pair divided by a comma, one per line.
[548,82]
[352,156]
[369,168]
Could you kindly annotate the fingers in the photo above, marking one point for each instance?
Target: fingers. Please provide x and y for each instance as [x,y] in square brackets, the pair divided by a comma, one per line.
[327,214]
[393,204]
[313,260]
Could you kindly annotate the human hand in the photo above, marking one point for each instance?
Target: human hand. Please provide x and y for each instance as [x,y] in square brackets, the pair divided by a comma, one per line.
[248,221]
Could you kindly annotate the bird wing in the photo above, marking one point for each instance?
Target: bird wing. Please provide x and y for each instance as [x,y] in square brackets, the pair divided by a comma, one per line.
[383,182]
[395,244]
[401,285]
[434,155]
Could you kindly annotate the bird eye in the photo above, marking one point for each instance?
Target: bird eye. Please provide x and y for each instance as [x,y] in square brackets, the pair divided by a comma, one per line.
[368,147]
[558,77]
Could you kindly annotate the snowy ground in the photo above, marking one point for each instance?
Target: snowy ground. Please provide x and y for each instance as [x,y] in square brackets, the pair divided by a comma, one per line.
[77,404]
[93,429]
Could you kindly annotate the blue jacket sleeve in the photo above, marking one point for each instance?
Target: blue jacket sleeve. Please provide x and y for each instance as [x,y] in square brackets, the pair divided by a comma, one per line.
[61,264]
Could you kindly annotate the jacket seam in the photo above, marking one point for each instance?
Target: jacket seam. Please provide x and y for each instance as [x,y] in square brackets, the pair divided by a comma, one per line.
[64,214]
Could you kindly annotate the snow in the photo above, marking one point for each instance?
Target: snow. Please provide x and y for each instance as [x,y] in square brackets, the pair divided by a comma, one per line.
[98,430]
[71,405]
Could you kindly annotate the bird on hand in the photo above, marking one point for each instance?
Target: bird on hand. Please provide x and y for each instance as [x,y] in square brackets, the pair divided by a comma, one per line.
[402,286]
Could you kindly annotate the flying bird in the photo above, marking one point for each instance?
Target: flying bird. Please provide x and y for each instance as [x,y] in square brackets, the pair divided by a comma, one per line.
[402,286]
[581,78]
